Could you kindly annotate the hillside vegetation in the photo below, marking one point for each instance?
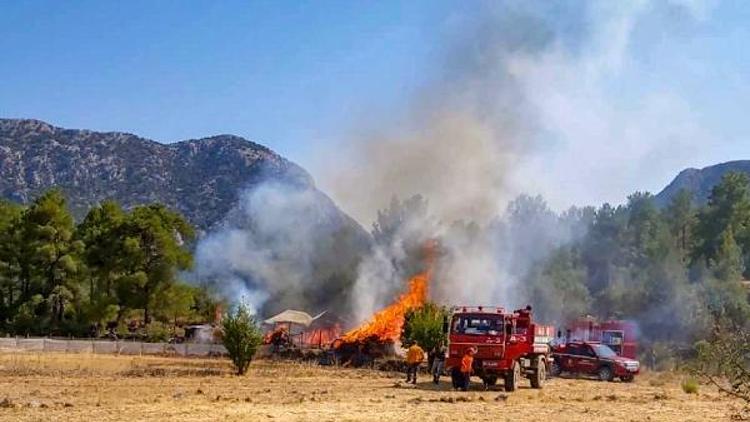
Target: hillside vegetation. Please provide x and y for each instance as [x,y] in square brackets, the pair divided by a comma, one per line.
[679,271]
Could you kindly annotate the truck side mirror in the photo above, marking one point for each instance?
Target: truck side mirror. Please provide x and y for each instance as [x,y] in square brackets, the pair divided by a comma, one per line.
[445,325]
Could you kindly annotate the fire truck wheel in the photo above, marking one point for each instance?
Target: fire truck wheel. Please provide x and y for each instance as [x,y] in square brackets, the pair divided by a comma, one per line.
[605,374]
[512,377]
[539,375]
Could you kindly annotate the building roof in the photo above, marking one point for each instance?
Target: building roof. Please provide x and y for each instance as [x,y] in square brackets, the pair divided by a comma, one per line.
[290,316]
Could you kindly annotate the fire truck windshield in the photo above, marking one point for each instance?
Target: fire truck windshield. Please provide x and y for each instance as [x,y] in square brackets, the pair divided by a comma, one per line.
[478,324]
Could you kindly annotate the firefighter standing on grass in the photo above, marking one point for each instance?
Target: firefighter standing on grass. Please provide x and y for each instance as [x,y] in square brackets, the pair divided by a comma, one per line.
[438,362]
[467,363]
[414,357]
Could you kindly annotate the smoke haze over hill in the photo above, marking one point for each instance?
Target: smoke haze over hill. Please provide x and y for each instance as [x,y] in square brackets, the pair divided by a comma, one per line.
[525,98]
[521,101]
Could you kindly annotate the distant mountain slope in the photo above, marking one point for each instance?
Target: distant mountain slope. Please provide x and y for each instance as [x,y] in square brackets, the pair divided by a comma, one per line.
[201,178]
[267,228]
[700,182]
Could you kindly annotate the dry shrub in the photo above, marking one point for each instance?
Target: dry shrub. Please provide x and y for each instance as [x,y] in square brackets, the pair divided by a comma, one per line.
[690,385]
[724,361]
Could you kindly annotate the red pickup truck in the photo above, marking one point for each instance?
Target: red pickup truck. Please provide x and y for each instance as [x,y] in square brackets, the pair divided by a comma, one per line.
[592,359]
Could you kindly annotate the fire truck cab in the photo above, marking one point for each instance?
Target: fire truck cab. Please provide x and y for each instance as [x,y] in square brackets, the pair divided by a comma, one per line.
[509,344]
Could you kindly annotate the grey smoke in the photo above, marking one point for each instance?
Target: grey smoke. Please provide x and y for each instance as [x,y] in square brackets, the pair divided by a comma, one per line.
[515,105]
[284,245]
[459,146]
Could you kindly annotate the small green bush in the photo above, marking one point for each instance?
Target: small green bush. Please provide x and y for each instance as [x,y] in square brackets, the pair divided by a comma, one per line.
[122,330]
[157,332]
[690,386]
[424,325]
[241,337]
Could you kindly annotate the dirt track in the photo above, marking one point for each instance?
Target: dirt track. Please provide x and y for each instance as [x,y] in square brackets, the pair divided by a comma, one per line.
[94,387]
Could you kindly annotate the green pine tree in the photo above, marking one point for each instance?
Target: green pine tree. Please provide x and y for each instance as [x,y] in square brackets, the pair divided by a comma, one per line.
[152,248]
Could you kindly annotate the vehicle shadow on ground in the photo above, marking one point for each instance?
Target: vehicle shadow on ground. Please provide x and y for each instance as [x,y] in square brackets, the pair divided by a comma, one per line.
[446,385]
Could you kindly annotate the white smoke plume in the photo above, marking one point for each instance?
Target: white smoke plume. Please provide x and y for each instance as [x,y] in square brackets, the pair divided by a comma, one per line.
[516,104]
[283,242]
[517,100]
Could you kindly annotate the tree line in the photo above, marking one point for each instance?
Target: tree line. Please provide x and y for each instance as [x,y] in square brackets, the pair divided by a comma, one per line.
[677,270]
[115,270]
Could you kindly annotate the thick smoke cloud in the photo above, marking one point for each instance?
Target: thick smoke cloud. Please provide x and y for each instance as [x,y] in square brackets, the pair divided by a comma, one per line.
[517,104]
[600,125]
[529,97]
[284,242]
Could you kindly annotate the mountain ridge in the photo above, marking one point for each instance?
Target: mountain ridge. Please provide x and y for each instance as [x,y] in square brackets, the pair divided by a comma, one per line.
[200,177]
[700,181]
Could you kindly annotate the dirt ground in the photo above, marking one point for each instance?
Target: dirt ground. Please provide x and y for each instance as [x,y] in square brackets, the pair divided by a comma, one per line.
[42,387]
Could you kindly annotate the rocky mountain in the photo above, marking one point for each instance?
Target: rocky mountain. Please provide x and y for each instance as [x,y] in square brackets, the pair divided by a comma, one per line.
[700,181]
[201,178]
[266,227]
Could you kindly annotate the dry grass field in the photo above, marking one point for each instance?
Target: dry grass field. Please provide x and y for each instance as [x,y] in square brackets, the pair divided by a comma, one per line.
[42,387]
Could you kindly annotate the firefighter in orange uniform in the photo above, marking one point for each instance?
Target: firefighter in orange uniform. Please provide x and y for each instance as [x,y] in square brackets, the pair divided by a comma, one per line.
[467,363]
[414,357]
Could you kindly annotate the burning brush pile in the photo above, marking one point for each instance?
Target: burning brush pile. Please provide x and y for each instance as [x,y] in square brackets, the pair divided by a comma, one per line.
[378,337]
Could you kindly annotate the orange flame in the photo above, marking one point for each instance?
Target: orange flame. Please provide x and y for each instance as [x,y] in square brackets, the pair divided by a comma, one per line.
[386,325]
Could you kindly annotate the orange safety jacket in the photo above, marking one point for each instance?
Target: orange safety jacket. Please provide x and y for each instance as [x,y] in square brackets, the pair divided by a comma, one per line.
[415,354]
[466,362]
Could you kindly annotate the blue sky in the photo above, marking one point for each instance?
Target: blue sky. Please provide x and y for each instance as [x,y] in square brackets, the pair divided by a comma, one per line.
[301,77]
[282,73]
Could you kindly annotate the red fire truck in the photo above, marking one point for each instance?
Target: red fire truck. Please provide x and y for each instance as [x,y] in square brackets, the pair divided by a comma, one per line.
[509,344]
[618,335]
